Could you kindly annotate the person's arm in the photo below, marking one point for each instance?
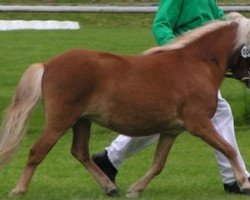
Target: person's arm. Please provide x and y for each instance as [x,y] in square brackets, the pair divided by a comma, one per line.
[165,20]
[218,12]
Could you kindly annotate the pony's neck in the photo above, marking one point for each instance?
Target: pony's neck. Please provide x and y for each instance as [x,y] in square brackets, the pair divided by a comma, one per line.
[212,44]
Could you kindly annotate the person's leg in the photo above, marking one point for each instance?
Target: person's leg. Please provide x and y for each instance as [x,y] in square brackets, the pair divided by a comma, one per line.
[124,146]
[121,148]
[224,124]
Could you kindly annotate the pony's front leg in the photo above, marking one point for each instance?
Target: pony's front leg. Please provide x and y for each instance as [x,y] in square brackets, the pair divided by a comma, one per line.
[163,147]
[80,150]
[202,127]
[37,154]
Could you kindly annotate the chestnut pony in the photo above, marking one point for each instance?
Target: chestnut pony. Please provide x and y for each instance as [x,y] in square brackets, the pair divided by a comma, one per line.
[167,90]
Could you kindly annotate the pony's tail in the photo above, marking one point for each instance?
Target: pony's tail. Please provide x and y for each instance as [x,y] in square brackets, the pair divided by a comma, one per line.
[26,96]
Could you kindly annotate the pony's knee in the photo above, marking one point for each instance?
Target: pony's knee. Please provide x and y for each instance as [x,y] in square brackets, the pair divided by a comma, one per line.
[230,152]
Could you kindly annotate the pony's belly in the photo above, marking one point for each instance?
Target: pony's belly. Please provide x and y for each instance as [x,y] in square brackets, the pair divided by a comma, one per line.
[134,117]
[135,126]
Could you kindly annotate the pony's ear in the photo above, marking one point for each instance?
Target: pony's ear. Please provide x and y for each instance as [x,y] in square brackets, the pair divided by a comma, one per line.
[234,16]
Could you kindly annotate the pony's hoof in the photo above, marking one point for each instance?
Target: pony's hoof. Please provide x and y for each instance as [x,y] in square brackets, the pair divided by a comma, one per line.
[113,193]
[246,191]
[16,193]
[133,194]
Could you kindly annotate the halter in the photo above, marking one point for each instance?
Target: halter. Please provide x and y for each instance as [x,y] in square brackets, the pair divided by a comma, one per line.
[245,54]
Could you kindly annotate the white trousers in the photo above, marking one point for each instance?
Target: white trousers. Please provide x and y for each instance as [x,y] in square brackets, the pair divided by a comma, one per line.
[124,146]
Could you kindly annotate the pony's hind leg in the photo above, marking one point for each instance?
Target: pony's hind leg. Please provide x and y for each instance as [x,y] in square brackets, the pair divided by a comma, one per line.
[57,124]
[37,153]
[163,147]
[80,150]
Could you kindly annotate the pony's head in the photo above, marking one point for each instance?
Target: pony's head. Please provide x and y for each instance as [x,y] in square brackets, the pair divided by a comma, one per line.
[240,61]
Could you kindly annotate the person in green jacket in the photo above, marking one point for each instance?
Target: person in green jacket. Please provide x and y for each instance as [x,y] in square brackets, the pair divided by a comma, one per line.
[173,18]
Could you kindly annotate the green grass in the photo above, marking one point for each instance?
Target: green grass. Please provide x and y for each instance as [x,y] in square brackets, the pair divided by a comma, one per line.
[191,172]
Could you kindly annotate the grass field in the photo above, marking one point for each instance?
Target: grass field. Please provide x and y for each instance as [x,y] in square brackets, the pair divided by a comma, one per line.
[191,172]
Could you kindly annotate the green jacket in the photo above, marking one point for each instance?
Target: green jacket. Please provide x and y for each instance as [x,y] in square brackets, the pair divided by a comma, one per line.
[175,17]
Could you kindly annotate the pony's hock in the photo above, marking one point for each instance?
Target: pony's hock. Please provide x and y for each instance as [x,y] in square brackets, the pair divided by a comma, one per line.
[94,86]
